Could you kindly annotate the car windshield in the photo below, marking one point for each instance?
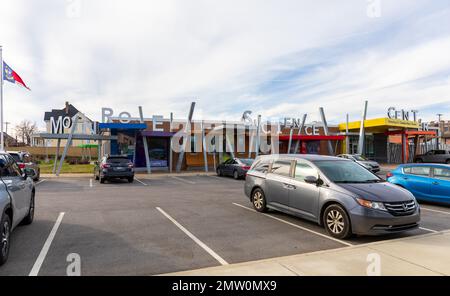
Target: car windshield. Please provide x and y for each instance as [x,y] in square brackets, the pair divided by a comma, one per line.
[339,171]
[16,157]
[246,161]
[359,157]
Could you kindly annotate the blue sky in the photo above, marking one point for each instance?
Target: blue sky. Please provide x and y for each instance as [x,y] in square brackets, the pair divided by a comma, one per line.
[276,58]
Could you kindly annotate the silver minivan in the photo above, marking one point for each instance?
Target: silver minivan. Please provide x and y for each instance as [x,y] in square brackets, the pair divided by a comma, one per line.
[334,192]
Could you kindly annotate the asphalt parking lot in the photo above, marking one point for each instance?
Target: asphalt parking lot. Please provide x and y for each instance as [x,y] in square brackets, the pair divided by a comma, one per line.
[164,224]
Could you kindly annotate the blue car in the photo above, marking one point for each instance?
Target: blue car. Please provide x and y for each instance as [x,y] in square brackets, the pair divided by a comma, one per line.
[428,182]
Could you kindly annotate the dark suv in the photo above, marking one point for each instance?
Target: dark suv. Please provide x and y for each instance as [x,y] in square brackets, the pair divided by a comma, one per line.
[434,156]
[114,167]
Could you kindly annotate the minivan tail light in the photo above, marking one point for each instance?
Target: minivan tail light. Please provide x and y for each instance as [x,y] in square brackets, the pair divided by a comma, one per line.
[21,166]
[106,165]
[245,167]
[388,175]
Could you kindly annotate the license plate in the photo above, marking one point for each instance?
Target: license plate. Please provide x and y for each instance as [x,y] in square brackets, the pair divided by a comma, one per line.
[119,169]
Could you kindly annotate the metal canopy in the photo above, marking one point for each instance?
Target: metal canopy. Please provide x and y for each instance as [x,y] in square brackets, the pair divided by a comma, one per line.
[74,137]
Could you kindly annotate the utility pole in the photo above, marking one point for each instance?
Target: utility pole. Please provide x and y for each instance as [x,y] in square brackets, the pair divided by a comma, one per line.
[439,115]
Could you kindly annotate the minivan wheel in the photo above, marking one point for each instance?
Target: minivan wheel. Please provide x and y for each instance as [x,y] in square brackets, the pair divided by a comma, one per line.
[102,179]
[337,222]
[5,234]
[259,200]
[219,172]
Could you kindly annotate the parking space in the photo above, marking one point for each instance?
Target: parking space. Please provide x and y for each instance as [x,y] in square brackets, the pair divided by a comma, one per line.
[165,224]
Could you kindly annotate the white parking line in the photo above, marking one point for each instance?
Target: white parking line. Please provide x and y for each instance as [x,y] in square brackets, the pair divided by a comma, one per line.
[40,259]
[194,238]
[90,183]
[221,178]
[141,182]
[427,229]
[437,211]
[37,183]
[183,180]
[297,226]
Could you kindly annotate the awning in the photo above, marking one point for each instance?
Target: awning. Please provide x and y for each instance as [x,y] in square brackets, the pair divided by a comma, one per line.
[123,126]
[312,138]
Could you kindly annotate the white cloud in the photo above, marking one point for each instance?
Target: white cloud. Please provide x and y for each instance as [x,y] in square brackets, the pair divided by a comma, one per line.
[162,54]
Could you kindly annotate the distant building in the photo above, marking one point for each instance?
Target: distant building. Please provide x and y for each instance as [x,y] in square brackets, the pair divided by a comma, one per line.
[11,141]
[60,121]
[444,131]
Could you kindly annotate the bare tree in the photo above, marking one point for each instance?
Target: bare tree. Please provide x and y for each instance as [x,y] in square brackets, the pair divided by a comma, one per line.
[25,129]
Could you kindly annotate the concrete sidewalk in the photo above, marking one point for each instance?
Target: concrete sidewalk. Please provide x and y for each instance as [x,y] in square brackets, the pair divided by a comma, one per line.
[425,255]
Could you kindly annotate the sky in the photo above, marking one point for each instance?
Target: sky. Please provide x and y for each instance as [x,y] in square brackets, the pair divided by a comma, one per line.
[278,58]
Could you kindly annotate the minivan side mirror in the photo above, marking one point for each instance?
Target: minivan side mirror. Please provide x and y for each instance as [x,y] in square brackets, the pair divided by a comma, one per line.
[312,180]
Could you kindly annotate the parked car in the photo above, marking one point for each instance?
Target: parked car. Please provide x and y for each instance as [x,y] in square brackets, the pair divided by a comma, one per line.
[235,167]
[358,158]
[114,167]
[25,160]
[428,182]
[434,156]
[16,201]
[336,193]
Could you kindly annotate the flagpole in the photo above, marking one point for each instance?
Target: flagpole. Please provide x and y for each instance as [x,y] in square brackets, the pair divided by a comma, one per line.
[2,138]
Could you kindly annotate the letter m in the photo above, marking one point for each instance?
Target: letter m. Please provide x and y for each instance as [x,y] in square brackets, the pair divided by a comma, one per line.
[56,127]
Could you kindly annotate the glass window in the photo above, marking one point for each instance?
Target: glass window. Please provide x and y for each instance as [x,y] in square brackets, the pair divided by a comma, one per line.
[441,173]
[281,168]
[419,171]
[303,170]
[118,160]
[246,161]
[262,166]
[16,157]
[439,152]
[14,169]
[11,169]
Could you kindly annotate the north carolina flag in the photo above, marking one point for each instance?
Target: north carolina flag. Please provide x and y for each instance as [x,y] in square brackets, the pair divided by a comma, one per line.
[11,76]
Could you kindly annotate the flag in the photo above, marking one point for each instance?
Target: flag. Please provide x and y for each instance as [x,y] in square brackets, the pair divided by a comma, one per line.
[11,76]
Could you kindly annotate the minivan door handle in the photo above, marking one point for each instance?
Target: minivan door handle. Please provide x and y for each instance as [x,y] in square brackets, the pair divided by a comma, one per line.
[288,186]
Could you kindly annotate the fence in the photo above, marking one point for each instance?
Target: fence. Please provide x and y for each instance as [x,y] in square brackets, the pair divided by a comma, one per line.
[42,152]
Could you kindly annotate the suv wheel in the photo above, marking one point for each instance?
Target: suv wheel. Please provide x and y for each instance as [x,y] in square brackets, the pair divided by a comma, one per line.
[336,222]
[30,217]
[236,175]
[102,179]
[5,234]
[130,179]
[219,172]
[259,200]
